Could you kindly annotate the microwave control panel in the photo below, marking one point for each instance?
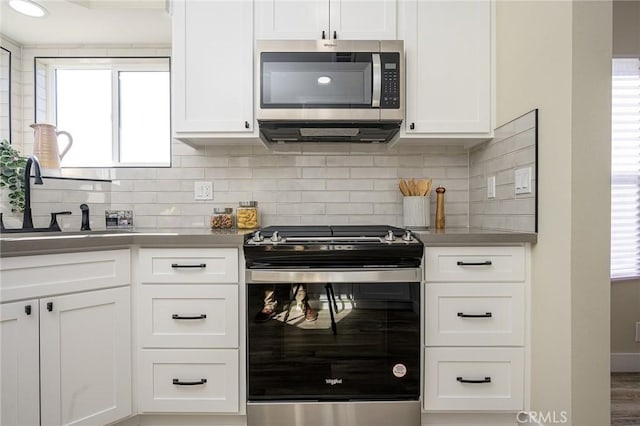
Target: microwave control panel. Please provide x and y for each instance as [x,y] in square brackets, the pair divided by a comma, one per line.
[390,96]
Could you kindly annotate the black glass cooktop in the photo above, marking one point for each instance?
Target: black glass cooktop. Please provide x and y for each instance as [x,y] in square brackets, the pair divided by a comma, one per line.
[332,231]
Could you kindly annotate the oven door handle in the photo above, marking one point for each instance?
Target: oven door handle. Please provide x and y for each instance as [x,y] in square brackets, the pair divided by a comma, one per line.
[260,276]
[377,80]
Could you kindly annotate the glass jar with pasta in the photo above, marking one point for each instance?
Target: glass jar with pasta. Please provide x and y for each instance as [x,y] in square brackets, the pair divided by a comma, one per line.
[247,215]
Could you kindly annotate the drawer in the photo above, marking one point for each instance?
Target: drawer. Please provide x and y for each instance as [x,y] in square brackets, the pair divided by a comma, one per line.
[474,315]
[474,379]
[26,277]
[474,264]
[189,316]
[188,265]
[194,381]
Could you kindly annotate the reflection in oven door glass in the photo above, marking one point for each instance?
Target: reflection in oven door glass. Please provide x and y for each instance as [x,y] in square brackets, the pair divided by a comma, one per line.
[333,341]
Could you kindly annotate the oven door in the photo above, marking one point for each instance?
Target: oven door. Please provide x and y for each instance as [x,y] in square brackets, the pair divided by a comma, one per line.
[363,346]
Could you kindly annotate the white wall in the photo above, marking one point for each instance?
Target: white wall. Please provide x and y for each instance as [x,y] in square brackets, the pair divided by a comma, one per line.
[555,56]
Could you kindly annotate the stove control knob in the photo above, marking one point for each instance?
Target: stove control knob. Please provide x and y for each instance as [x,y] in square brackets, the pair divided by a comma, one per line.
[408,236]
[389,236]
[257,237]
[275,237]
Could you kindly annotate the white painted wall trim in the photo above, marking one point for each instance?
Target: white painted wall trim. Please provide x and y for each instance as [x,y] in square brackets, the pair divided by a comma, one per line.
[625,362]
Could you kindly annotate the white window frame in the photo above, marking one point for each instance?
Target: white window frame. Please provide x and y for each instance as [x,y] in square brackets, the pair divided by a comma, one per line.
[115,65]
[627,231]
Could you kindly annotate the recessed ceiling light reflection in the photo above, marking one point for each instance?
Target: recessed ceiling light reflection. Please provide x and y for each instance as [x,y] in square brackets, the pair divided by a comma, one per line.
[324,80]
[28,7]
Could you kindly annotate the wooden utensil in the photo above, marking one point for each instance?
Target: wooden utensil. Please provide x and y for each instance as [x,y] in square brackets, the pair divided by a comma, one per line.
[412,187]
[423,185]
[429,186]
[404,187]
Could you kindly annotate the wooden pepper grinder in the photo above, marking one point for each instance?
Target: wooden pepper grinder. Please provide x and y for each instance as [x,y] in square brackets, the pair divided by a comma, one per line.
[440,207]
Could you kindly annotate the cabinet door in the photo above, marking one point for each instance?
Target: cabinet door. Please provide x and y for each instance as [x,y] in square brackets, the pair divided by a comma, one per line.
[292,19]
[85,357]
[212,66]
[20,364]
[448,48]
[363,20]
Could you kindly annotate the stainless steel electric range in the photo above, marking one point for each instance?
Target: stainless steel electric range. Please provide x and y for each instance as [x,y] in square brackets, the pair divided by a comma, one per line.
[357,362]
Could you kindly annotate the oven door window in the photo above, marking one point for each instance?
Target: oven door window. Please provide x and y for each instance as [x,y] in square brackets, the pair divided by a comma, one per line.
[370,351]
[316,80]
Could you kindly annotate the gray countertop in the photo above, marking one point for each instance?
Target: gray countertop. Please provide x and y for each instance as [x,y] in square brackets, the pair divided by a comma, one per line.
[59,242]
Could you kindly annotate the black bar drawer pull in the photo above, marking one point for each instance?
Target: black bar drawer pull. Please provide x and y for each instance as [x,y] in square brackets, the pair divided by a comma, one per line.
[177,382]
[485,380]
[27,309]
[195,317]
[49,306]
[485,315]
[485,263]
[199,265]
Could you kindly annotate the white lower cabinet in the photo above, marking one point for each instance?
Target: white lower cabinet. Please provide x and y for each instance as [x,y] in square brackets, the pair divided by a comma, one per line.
[187,304]
[66,358]
[475,329]
[77,369]
[196,381]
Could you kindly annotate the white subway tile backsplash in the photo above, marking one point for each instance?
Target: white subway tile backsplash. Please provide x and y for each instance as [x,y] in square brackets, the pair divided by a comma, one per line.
[374,172]
[513,147]
[350,208]
[322,172]
[325,196]
[375,196]
[349,184]
[351,160]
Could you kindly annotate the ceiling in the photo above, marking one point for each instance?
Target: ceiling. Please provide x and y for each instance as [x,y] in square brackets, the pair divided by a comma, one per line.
[90,22]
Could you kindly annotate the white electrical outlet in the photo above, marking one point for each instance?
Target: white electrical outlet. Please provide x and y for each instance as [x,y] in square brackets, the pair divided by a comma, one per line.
[491,187]
[203,191]
[523,180]
[638,331]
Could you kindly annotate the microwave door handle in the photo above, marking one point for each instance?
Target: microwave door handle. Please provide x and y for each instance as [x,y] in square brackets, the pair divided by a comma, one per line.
[377,80]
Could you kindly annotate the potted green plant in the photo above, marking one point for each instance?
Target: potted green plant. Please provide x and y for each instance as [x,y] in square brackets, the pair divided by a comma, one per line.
[12,166]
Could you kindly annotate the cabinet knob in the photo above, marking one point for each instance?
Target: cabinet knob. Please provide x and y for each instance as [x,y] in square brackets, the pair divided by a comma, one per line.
[246,124]
[49,306]
[412,126]
[323,36]
[335,35]
[27,309]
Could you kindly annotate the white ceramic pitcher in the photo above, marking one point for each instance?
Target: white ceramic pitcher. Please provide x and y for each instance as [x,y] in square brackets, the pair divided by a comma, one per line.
[45,145]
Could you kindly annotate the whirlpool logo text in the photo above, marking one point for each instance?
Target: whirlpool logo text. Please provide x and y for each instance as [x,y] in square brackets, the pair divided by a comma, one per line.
[333,382]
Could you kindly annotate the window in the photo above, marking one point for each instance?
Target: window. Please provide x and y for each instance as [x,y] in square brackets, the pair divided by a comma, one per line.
[625,169]
[116,109]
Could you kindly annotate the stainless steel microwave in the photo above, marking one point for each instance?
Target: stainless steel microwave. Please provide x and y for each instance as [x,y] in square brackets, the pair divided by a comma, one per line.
[333,90]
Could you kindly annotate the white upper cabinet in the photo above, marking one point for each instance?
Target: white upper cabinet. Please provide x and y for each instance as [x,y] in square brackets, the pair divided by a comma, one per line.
[449,59]
[317,19]
[212,68]
[291,19]
[363,20]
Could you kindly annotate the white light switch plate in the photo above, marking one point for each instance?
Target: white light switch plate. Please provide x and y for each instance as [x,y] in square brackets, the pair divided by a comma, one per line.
[203,191]
[523,180]
[491,187]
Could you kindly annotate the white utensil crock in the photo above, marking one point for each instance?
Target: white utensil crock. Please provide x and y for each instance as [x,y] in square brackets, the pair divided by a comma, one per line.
[416,211]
